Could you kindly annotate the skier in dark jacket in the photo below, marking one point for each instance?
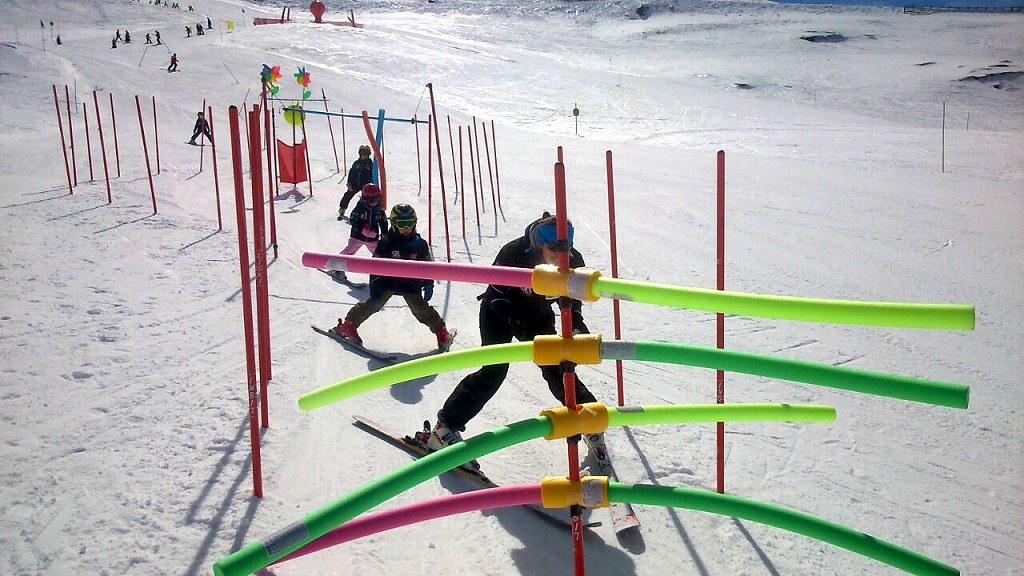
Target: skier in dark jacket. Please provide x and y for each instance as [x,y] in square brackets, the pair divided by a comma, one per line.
[507,312]
[368,224]
[359,175]
[202,127]
[401,242]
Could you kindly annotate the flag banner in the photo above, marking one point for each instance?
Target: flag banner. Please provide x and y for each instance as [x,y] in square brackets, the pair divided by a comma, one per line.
[292,162]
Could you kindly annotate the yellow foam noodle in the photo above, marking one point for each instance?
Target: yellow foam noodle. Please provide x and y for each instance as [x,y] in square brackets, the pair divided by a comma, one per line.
[560,492]
[576,283]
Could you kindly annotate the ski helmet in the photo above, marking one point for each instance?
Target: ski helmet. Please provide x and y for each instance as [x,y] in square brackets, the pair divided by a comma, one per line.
[371,190]
[365,148]
[403,217]
[544,231]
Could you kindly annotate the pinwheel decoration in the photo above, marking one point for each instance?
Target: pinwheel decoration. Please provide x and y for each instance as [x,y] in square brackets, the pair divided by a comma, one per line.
[270,75]
[302,77]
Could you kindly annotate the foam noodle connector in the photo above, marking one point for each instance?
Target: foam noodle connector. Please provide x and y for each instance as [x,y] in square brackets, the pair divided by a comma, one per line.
[577,283]
[560,492]
[552,350]
[591,418]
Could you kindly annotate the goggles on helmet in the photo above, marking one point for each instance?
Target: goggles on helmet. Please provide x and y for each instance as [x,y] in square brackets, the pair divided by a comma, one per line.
[401,224]
[547,234]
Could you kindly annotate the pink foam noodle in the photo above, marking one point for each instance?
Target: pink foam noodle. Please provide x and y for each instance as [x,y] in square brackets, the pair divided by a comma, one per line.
[459,272]
[500,497]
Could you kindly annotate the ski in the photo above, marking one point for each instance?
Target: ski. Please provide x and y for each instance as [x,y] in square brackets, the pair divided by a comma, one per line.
[623,517]
[343,280]
[414,448]
[384,357]
[359,348]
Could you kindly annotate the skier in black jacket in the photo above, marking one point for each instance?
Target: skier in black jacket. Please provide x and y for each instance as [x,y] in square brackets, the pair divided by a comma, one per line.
[507,312]
[400,242]
[359,175]
[368,222]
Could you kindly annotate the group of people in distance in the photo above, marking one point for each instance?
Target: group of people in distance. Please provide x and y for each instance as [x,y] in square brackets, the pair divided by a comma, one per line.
[506,312]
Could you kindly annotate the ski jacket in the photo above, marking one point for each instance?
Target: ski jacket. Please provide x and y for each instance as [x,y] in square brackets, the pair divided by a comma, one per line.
[394,245]
[368,222]
[522,306]
[360,174]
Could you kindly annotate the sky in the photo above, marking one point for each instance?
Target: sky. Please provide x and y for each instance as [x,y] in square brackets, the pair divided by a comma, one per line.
[884,165]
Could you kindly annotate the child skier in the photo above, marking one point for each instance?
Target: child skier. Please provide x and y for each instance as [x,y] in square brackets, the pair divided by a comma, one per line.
[359,175]
[368,224]
[401,241]
[202,127]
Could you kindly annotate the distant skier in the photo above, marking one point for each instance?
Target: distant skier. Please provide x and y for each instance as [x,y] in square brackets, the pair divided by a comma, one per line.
[113,42]
[117,38]
[188,31]
[173,67]
[199,29]
[127,37]
[157,34]
[209,23]
[202,127]
[149,39]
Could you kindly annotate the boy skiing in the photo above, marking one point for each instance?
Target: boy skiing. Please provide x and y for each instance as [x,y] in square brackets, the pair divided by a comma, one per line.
[401,241]
[368,224]
[173,66]
[359,175]
[507,312]
[202,127]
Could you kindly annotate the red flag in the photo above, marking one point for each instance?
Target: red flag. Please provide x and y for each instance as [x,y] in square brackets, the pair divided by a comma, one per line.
[292,162]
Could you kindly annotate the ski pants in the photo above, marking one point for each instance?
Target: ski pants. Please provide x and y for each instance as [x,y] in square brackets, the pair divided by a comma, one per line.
[422,311]
[354,243]
[345,200]
[478,388]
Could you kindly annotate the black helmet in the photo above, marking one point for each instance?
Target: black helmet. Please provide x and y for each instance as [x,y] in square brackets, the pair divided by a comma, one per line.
[403,217]
[365,148]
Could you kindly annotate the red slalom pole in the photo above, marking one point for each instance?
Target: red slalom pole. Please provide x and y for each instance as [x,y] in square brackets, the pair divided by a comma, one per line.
[462,182]
[259,240]
[202,143]
[451,141]
[472,177]
[88,141]
[419,161]
[568,372]
[330,128]
[71,134]
[720,318]
[490,176]
[145,152]
[63,144]
[615,269]
[243,265]
[103,147]
[113,124]
[216,180]
[440,174]
[497,179]
[156,137]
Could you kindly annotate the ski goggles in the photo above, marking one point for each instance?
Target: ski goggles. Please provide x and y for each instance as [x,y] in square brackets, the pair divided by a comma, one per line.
[547,234]
[401,224]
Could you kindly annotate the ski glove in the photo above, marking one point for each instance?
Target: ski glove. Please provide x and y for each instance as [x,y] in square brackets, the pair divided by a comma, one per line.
[428,292]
